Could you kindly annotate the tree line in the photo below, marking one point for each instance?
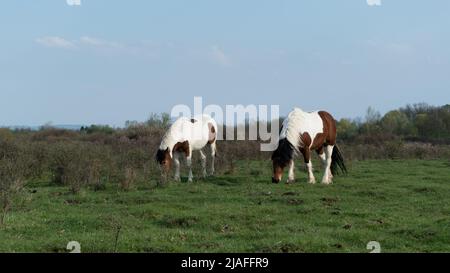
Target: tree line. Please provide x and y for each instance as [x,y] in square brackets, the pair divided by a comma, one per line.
[418,122]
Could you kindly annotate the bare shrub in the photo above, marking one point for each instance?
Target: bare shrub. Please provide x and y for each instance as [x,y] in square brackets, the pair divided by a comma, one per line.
[80,164]
[393,149]
[425,150]
[60,158]
[50,134]
[129,179]
[11,176]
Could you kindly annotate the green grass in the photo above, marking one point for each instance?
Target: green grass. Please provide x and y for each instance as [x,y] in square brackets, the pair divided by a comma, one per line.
[404,205]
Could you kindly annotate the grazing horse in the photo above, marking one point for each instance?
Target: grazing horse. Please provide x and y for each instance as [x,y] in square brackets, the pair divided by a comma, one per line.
[185,136]
[305,132]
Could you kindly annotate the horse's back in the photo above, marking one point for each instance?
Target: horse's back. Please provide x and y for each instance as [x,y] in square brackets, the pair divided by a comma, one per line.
[195,130]
[300,124]
[309,122]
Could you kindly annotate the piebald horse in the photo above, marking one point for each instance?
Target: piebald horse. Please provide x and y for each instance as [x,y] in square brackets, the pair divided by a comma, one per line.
[183,137]
[304,132]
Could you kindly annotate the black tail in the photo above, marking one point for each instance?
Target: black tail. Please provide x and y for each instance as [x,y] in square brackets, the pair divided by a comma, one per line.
[337,162]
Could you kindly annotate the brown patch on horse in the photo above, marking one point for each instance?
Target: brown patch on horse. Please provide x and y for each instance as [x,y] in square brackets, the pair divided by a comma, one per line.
[329,128]
[305,150]
[320,150]
[327,137]
[319,141]
[212,133]
[182,147]
[306,140]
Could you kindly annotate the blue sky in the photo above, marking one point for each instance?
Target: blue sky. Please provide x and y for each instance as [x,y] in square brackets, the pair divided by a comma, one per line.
[108,61]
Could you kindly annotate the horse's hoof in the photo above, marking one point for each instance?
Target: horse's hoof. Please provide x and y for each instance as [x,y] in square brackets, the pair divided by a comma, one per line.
[312,181]
[290,181]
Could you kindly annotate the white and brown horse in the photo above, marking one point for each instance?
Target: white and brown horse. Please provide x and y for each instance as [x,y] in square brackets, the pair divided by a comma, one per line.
[306,132]
[185,136]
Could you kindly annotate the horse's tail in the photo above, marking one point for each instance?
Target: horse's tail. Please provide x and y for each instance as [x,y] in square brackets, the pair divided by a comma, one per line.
[337,162]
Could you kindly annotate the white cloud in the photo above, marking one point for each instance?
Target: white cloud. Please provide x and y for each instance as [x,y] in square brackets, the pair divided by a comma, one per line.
[142,49]
[99,42]
[91,41]
[374,2]
[54,41]
[85,41]
[219,56]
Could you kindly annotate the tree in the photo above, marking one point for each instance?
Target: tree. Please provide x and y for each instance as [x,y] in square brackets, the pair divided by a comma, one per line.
[131,123]
[159,121]
[372,121]
[347,129]
[396,122]
[372,115]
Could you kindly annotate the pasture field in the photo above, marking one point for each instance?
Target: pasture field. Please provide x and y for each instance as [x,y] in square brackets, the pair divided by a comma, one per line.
[402,204]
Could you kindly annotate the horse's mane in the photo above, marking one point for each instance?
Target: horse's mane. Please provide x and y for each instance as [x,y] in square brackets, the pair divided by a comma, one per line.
[291,125]
[160,156]
[285,152]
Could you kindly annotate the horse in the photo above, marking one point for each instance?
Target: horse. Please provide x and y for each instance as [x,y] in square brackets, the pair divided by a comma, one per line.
[183,137]
[303,132]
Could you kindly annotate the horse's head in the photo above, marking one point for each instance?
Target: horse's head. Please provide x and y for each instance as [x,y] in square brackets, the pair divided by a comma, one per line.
[281,158]
[164,159]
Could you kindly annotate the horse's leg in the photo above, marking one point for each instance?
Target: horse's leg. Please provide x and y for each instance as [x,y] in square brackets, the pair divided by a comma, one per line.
[189,164]
[323,158]
[291,177]
[176,161]
[203,158]
[327,177]
[321,154]
[213,157]
[312,179]
[307,156]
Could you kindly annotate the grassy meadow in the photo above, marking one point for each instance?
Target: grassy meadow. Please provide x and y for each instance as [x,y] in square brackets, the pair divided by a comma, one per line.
[402,204]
